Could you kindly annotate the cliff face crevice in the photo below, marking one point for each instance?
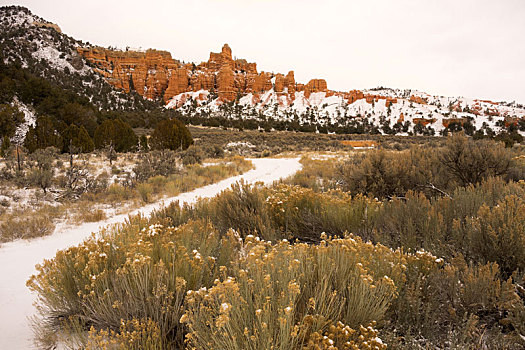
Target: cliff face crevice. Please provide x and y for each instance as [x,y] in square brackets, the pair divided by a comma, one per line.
[155,74]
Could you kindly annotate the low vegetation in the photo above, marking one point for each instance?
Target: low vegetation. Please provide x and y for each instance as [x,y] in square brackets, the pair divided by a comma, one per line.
[311,263]
[261,143]
[80,194]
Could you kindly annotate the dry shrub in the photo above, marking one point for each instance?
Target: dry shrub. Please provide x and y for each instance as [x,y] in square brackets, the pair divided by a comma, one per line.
[339,336]
[28,224]
[250,293]
[411,223]
[457,304]
[434,171]
[383,173]
[283,211]
[89,214]
[303,214]
[145,191]
[242,207]
[132,335]
[316,174]
[472,161]
[141,273]
[285,296]
[497,234]
[134,272]
[116,193]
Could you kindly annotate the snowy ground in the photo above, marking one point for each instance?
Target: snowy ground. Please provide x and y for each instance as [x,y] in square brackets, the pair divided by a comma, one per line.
[18,259]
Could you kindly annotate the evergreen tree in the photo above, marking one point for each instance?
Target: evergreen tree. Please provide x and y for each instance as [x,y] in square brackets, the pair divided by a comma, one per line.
[117,133]
[85,143]
[43,135]
[78,138]
[171,134]
[10,118]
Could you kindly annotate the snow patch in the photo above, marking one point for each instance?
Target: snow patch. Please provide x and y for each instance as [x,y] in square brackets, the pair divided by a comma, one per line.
[29,121]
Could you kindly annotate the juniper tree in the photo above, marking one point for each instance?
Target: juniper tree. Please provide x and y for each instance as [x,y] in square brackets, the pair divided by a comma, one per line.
[10,118]
[117,133]
[42,135]
[171,134]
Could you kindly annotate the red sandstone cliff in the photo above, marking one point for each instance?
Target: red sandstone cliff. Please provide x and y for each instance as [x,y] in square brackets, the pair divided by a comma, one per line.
[155,74]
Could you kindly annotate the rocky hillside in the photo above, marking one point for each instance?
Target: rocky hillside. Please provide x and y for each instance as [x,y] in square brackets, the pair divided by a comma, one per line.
[380,110]
[40,47]
[227,89]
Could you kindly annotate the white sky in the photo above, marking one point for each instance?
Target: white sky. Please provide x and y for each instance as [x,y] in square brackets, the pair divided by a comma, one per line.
[471,48]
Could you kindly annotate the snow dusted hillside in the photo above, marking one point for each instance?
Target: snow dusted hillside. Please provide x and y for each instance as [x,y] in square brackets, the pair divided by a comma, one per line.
[388,110]
[40,47]
[43,49]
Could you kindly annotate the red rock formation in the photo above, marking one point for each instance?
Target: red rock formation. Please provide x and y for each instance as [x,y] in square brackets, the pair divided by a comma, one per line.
[355,95]
[202,81]
[226,83]
[511,121]
[217,60]
[279,83]
[423,121]
[239,82]
[476,109]
[178,83]
[242,66]
[289,83]
[448,121]
[315,85]
[389,101]
[492,112]
[488,101]
[154,74]
[146,72]
[418,99]
[262,82]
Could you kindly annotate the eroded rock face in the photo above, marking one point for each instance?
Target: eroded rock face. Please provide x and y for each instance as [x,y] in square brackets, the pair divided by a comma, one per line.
[423,121]
[315,85]
[289,83]
[446,122]
[390,101]
[279,83]
[145,72]
[202,81]
[355,95]
[226,83]
[178,82]
[418,99]
[155,74]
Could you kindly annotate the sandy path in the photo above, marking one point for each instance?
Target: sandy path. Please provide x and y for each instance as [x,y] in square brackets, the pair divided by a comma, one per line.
[18,258]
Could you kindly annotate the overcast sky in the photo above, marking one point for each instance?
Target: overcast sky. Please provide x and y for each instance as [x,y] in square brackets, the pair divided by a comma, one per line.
[445,47]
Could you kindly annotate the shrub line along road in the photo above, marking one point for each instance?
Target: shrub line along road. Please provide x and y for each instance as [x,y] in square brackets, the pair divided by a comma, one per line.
[18,258]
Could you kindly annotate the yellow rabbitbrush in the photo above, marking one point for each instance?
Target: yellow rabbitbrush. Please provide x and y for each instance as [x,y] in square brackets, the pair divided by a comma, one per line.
[167,284]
